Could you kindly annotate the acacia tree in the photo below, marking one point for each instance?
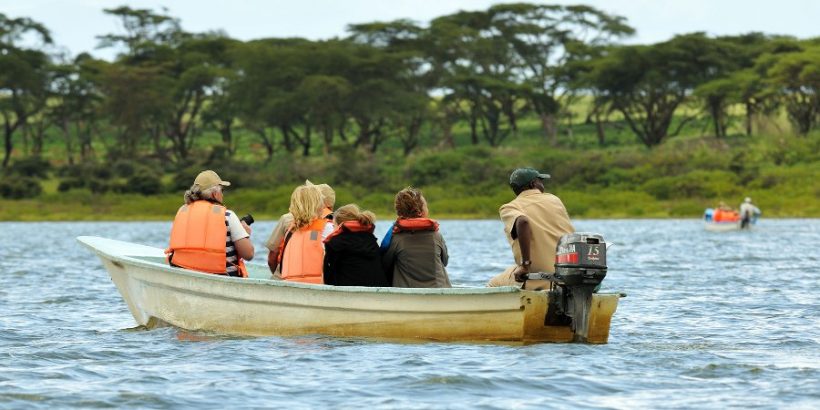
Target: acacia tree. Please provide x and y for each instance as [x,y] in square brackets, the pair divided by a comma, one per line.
[77,97]
[734,81]
[136,101]
[269,72]
[410,101]
[545,40]
[222,110]
[199,63]
[324,97]
[23,77]
[647,84]
[186,65]
[475,67]
[795,77]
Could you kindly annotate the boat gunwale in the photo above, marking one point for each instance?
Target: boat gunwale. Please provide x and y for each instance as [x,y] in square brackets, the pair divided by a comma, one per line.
[89,242]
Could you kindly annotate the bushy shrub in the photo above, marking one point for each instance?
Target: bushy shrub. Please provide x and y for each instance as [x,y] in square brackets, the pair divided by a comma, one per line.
[433,168]
[661,188]
[468,165]
[19,187]
[696,184]
[143,181]
[581,171]
[484,168]
[353,166]
[124,168]
[242,175]
[86,170]
[34,167]
[182,179]
[98,186]
[70,183]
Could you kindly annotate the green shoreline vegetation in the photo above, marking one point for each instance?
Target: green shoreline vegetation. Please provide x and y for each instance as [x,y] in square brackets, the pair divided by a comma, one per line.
[780,173]
[451,106]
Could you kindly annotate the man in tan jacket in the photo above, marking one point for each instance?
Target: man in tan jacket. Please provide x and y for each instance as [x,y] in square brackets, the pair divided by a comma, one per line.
[533,222]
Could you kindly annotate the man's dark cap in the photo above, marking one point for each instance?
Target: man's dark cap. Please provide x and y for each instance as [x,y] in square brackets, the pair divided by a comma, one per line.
[521,177]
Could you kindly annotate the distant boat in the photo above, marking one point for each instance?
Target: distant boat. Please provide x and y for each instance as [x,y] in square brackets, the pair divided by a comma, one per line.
[158,294]
[732,223]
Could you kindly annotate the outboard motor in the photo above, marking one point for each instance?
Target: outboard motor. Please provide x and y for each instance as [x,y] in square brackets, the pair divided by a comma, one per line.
[580,267]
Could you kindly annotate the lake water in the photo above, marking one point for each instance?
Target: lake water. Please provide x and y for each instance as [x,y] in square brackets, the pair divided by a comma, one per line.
[712,320]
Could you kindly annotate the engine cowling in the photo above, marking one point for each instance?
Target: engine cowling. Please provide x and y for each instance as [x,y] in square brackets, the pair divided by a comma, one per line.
[580,267]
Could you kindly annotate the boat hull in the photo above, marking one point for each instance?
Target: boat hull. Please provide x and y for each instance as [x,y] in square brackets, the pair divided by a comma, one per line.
[157,293]
[721,226]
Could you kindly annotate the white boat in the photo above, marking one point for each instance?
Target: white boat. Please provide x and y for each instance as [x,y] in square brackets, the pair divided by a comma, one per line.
[158,294]
[722,226]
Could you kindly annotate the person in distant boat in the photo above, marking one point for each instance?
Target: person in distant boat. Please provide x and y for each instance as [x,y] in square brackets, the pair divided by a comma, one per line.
[725,213]
[352,255]
[416,255]
[302,249]
[533,222]
[747,212]
[206,236]
[275,240]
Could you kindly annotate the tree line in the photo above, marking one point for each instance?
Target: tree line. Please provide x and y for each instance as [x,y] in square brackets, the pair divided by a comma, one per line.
[398,81]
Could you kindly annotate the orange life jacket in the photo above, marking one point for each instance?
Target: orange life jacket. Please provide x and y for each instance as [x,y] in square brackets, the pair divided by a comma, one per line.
[725,216]
[304,253]
[415,224]
[198,238]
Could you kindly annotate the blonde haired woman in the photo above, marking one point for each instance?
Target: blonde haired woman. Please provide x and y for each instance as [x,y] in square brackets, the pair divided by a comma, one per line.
[303,250]
[352,255]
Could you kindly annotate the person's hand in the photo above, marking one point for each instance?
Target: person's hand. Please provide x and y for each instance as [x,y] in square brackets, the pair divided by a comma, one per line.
[246,227]
[520,273]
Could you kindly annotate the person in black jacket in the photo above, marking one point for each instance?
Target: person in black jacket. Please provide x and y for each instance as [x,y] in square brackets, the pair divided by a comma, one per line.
[352,255]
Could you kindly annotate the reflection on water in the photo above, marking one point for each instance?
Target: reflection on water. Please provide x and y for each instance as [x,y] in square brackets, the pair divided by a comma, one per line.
[712,320]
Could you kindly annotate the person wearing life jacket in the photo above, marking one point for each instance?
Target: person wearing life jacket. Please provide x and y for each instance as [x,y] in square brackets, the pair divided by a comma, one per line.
[302,251]
[274,242]
[533,223]
[352,255]
[416,256]
[725,213]
[205,235]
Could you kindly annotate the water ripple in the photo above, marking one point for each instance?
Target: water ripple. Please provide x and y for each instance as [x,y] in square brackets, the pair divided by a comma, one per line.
[711,321]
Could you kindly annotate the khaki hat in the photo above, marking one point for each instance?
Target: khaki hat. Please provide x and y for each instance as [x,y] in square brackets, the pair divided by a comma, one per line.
[209,179]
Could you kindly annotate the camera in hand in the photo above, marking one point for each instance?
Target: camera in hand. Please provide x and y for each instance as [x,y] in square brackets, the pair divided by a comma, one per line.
[248,219]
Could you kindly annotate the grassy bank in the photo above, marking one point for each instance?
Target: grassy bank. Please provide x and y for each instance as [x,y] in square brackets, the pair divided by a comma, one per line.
[450,202]
[620,179]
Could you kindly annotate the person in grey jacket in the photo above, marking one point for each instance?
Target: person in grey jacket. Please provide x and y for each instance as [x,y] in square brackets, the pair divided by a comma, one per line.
[416,256]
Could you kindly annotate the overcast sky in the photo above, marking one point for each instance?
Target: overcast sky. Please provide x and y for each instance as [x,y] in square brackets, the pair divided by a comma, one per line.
[75,23]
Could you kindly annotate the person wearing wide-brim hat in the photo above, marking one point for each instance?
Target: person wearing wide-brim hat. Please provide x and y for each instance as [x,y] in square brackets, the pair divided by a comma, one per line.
[533,222]
[206,236]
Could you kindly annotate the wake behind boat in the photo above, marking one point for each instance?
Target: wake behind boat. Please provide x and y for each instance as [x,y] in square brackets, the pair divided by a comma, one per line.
[157,293]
